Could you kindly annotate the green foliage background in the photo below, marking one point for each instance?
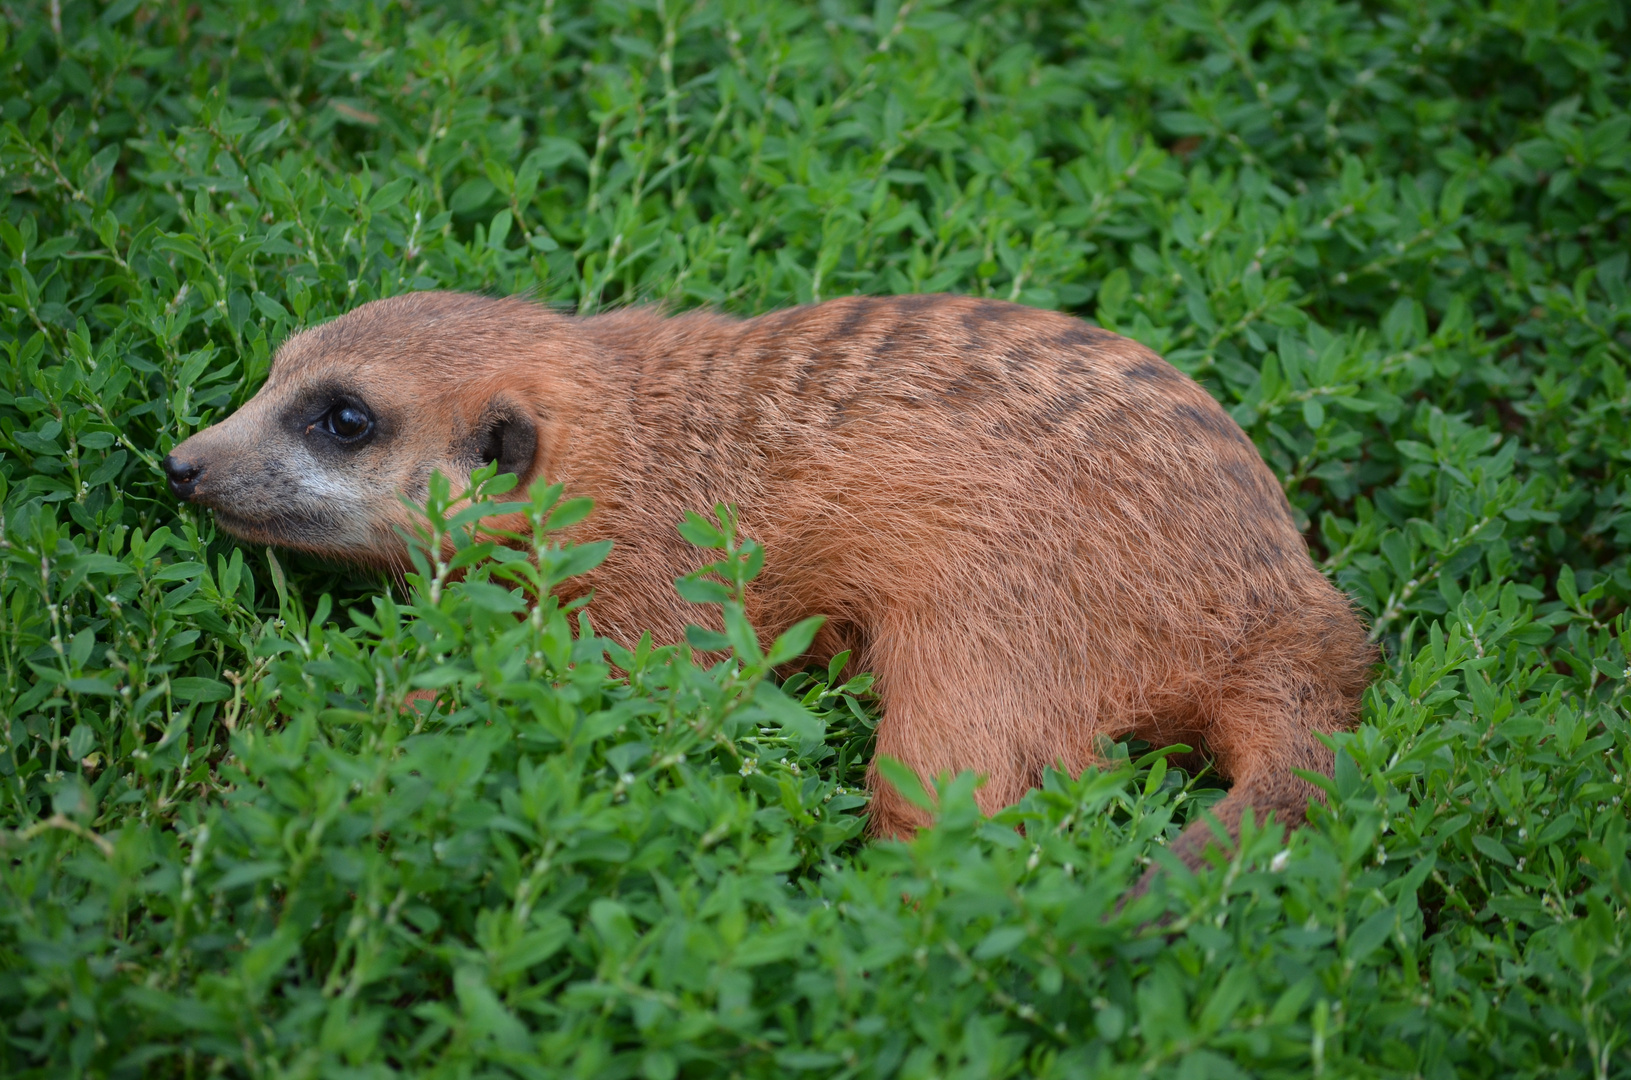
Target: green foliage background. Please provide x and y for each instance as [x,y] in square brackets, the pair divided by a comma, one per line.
[1391,237]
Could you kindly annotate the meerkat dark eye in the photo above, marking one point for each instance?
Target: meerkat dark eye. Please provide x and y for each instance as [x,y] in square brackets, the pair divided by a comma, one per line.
[347,421]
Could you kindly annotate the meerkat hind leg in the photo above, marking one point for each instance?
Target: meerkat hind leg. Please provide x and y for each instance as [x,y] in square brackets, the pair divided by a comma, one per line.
[1263,780]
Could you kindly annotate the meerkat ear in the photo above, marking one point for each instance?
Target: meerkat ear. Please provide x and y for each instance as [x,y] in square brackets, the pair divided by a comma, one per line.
[509,437]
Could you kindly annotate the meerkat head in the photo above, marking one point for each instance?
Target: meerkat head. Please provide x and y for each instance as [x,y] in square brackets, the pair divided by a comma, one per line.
[359,411]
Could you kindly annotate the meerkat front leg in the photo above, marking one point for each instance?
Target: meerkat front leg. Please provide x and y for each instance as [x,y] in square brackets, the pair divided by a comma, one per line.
[948,706]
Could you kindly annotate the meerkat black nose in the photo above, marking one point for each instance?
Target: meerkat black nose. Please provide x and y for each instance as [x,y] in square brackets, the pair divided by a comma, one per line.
[183,476]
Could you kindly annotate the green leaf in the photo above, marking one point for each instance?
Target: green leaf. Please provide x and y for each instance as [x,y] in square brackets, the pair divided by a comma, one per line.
[471,196]
[706,640]
[81,741]
[1158,772]
[391,194]
[553,152]
[279,582]
[247,873]
[700,532]
[486,1014]
[1369,935]
[1494,849]
[192,689]
[1000,942]
[900,777]
[578,559]
[569,513]
[1565,587]
[795,642]
[490,597]
[694,590]
[799,723]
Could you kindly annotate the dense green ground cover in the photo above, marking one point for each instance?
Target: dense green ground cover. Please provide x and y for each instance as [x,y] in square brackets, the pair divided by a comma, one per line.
[1391,237]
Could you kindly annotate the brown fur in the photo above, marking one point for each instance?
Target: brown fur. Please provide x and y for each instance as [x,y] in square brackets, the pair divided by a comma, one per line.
[1037,534]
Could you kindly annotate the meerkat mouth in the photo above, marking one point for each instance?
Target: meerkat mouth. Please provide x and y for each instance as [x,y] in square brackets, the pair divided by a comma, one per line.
[278,528]
[306,529]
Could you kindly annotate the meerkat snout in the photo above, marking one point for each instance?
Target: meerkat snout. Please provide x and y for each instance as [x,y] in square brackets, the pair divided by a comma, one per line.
[183,476]
[288,468]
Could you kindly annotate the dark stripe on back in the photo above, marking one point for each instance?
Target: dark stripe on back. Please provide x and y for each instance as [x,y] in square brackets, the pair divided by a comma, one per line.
[1213,421]
[1079,335]
[1157,372]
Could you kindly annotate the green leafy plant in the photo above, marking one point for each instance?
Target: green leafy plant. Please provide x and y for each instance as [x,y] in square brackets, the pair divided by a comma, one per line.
[1391,239]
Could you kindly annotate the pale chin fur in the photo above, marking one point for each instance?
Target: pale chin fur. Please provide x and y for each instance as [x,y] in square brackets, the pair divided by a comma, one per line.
[338,502]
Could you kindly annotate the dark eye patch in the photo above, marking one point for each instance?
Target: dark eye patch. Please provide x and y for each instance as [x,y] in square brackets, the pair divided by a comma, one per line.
[333,417]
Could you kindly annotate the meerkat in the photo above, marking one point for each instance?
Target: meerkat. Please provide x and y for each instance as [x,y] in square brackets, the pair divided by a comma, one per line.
[1035,533]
